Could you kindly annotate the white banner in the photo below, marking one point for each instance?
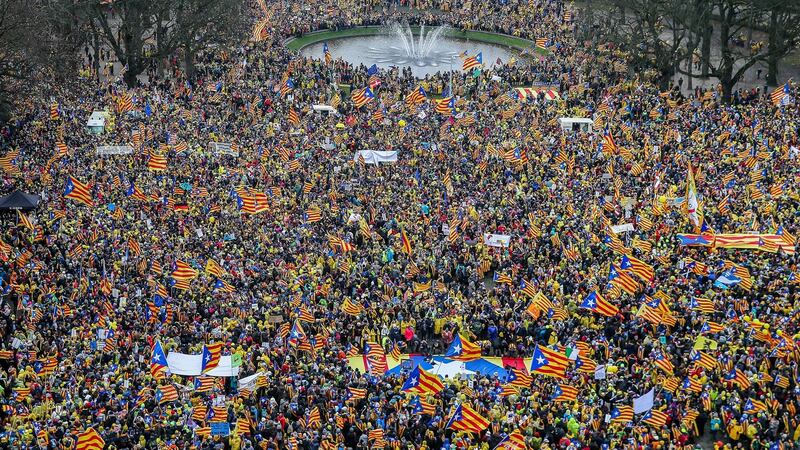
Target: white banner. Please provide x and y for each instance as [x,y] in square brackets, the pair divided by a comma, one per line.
[376,156]
[622,228]
[191,365]
[114,150]
[496,240]
[643,403]
[600,372]
[223,148]
[249,382]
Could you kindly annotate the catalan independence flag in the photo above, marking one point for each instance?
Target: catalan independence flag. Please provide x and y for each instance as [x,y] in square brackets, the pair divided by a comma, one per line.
[446,105]
[54,115]
[419,406]
[420,381]
[183,271]
[375,359]
[622,414]
[622,280]
[565,393]
[212,354]
[158,362]
[326,53]
[294,118]
[361,97]
[223,286]
[608,144]
[24,220]
[203,384]
[780,93]
[313,214]
[463,350]
[351,307]
[166,393]
[415,97]
[355,394]
[549,362]
[639,268]
[78,191]
[287,87]
[598,304]
[465,418]
[312,418]
[513,441]
[518,378]
[472,62]
[655,418]
[214,268]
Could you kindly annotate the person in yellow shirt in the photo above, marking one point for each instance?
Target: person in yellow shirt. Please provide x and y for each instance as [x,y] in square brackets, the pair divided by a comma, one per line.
[734,430]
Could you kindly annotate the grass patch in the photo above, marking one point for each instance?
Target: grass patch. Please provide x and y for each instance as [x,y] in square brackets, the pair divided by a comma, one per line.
[296,44]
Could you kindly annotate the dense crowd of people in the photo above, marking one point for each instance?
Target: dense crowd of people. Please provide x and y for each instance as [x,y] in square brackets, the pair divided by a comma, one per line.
[307,265]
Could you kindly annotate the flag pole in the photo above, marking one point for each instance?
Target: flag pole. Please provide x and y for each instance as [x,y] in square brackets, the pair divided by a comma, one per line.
[451,74]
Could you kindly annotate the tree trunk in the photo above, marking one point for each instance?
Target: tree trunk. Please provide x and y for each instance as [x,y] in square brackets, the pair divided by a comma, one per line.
[188,60]
[727,90]
[96,46]
[772,71]
[775,40]
[133,54]
[724,71]
[705,50]
[130,77]
[665,82]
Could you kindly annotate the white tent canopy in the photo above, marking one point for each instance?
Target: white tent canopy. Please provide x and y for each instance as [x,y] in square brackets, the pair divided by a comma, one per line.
[549,93]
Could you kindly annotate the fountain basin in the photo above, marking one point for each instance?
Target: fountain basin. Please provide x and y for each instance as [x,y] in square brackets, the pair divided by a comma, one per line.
[375,45]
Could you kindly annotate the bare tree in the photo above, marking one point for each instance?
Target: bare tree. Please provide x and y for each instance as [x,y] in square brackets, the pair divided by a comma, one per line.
[145,32]
[31,44]
[126,28]
[783,29]
[731,63]
[652,32]
[659,34]
[199,24]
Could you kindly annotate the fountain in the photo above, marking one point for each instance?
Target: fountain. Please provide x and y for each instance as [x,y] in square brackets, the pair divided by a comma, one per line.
[425,50]
[421,52]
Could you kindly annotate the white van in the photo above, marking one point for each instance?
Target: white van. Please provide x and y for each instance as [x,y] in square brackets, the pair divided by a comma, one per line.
[97,122]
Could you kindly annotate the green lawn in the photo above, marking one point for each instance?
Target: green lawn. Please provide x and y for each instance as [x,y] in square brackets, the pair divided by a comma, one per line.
[480,36]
